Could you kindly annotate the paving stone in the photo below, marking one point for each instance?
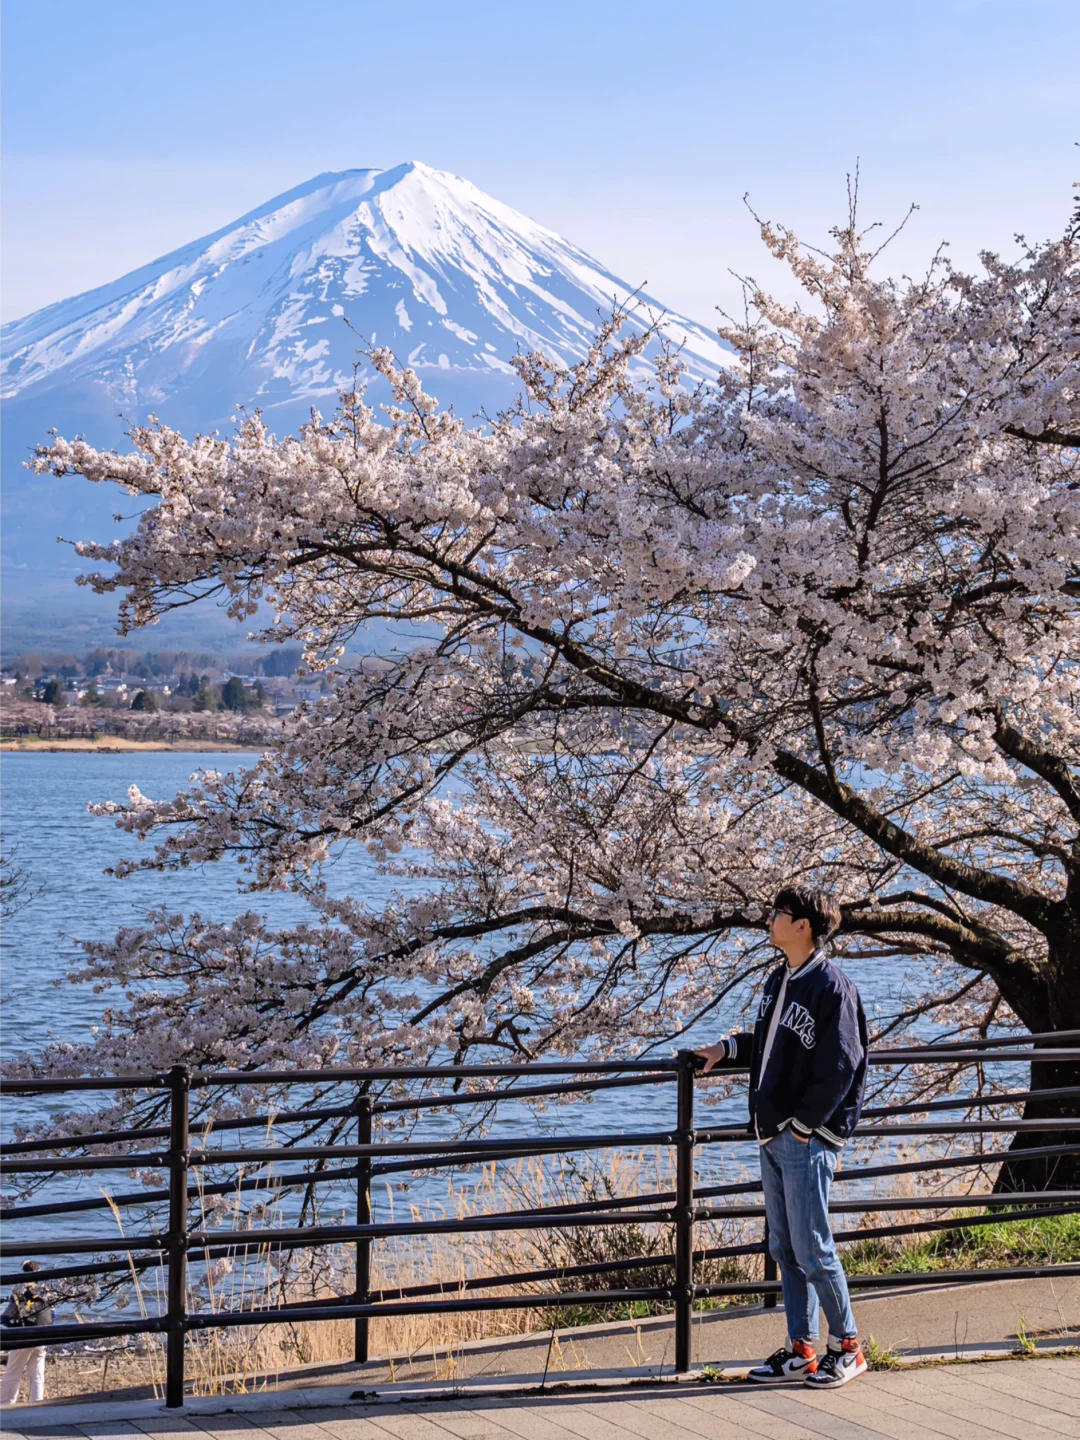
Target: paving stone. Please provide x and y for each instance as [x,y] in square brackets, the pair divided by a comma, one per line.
[39,1432]
[1053,1410]
[1058,1376]
[724,1406]
[107,1430]
[728,1419]
[913,1407]
[407,1424]
[792,1408]
[647,1420]
[172,1427]
[302,1424]
[353,1427]
[982,1408]
[468,1424]
[527,1420]
[883,1417]
[250,1426]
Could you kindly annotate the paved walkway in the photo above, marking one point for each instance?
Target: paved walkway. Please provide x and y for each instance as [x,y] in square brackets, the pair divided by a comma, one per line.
[939,1320]
[1023,1399]
[603,1374]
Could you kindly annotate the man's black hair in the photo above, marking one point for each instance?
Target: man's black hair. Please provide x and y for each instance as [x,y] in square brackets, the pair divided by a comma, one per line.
[803,902]
[31,1265]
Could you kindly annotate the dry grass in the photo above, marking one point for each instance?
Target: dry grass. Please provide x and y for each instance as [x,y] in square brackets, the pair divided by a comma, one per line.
[246,1358]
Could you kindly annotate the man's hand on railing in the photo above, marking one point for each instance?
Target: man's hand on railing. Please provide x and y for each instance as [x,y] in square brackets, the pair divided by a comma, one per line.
[712,1055]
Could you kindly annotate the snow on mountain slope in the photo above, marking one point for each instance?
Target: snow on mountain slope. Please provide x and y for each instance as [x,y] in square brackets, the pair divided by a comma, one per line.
[418,259]
[453,281]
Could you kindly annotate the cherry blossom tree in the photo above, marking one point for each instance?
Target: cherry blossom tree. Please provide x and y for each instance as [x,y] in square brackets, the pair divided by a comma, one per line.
[819,621]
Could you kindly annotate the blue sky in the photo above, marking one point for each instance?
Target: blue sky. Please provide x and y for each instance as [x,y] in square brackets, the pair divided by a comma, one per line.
[633,128]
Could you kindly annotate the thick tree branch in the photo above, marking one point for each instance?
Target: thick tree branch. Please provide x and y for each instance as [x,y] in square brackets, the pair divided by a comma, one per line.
[987,885]
[1046,763]
[1064,438]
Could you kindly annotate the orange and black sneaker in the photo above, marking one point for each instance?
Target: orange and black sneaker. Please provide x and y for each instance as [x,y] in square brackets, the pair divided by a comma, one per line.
[838,1366]
[787,1365]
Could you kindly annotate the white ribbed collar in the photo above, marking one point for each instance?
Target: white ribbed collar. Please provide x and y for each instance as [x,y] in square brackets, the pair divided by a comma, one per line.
[816,958]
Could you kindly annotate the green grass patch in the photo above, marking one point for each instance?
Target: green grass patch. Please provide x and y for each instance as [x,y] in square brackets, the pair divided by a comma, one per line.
[1047,1240]
[1042,1240]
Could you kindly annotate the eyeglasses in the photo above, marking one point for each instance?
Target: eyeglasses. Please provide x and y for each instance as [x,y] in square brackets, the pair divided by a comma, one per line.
[776,912]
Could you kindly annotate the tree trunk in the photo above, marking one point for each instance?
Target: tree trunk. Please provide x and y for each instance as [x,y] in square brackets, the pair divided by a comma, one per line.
[1058,1008]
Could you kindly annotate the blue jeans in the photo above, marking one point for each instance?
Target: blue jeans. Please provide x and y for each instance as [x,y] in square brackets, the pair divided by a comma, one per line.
[796,1178]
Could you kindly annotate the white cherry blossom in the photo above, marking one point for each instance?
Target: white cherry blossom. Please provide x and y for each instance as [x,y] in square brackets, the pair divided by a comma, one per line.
[817,621]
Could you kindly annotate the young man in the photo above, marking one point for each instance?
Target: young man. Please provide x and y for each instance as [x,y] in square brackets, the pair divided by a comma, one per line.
[807,1059]
[27,1306]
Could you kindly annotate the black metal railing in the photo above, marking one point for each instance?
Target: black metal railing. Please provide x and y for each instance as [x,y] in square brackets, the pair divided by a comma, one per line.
[178,1246]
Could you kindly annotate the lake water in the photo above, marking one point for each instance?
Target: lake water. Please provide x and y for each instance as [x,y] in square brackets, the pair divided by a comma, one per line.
[65,850]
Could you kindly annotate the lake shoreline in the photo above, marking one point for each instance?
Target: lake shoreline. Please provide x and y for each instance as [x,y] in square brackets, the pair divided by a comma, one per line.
[116,744]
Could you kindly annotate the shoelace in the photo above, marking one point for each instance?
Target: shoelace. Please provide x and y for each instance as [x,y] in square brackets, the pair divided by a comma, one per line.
[779,1358]
[831,1361]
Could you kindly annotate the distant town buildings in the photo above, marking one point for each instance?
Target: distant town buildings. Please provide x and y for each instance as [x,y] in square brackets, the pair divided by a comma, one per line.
[127,691]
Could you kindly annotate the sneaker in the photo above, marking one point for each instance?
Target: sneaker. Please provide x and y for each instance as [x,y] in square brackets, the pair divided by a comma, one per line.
[837,1367]
[786,1365]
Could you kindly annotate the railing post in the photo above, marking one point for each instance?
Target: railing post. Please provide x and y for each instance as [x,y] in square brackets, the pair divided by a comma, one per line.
[363,1217]
[176,1313]
[684,1213]
[769,1270]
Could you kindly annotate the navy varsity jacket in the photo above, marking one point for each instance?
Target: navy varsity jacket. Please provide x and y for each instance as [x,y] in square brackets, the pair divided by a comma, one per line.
[806,1053]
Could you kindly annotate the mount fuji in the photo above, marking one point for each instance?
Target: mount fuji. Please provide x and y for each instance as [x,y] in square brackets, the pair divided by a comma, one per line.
[416,259]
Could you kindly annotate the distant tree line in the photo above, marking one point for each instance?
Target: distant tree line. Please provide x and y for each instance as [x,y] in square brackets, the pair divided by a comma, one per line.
[22,717]
[200,691]
[281,662]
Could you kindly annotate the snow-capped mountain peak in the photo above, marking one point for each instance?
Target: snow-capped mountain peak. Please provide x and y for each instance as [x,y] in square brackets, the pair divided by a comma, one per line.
[420,260]
[451,280]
